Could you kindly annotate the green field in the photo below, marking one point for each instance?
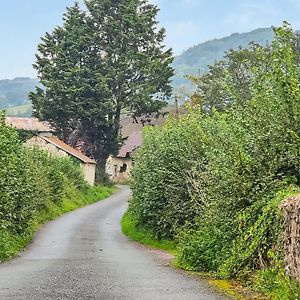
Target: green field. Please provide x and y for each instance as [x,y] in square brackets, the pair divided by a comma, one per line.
[19,111]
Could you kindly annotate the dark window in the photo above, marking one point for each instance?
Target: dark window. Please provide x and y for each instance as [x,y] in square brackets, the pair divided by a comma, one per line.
[123,169]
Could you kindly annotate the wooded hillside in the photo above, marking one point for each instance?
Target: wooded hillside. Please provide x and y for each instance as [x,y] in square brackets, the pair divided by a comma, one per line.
[14,93]
[198,58]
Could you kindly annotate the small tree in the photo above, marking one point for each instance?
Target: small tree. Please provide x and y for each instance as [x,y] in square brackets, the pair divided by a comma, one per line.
[104,60]
[229,81]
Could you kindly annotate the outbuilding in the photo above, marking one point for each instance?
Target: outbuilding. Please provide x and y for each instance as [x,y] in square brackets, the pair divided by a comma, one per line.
[45,139]
[119,167]
[55,146]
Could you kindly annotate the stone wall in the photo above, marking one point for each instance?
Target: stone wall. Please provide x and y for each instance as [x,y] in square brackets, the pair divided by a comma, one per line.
[41,143]
[291,211]
[119,168]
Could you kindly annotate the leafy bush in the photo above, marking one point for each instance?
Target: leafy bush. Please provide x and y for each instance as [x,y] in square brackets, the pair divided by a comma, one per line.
[275,284]
[213,182]
[161,183]
[35,187]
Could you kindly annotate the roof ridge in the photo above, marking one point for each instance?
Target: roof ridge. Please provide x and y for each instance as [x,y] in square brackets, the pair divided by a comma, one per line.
[69,149]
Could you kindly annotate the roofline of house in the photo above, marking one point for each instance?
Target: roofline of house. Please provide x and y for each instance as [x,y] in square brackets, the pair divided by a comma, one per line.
[91,161]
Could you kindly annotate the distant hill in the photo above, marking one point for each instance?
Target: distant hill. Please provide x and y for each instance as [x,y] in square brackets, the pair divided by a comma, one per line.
[14,95]
[19,111]
[197,58]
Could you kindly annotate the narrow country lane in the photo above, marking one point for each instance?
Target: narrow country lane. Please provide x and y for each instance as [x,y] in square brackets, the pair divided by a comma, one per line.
[83,255]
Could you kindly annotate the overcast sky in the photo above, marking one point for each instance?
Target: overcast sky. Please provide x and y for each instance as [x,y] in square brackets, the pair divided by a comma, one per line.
[188,22]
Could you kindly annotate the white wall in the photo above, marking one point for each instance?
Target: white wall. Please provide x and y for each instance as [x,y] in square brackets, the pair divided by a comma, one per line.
[89,171]
[113,168]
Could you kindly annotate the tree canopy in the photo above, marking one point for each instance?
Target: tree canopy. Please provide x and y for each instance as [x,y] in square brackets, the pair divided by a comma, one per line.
[103,60]
[230,81]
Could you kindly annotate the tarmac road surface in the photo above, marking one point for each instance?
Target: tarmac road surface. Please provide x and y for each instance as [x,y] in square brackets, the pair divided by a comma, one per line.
[84,255]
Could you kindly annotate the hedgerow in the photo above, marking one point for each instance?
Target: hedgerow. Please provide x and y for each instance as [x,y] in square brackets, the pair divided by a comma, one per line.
[161,183]
[35,187]
[213,182]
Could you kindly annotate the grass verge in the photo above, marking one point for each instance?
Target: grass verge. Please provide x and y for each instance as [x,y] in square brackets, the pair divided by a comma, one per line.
[231,288]
[130,228]
[11,244]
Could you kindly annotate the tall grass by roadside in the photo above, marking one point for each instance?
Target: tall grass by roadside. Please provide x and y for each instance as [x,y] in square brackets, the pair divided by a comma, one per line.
[131,229]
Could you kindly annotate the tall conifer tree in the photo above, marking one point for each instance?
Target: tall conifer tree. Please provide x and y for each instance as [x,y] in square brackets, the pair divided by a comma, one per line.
[103,60]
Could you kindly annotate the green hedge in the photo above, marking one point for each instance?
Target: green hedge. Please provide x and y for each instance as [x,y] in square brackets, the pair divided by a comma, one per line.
[35,187]
[213,182]
[161,183]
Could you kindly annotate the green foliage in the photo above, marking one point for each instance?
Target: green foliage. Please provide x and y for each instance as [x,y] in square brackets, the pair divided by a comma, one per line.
[25,135]
[116,62]
[101,175]
[260,226]
[273,283]
[11,243]
[213,182]
[201,249]
[160,179]
[199,57]
[35,187]
[15,92]
[230,80]
[131,229]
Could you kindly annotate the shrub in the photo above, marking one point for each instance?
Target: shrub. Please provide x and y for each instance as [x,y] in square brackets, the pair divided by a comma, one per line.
[34,187]
[213,182]
[160,182]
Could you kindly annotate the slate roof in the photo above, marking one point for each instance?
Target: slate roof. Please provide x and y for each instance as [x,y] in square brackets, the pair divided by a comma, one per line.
[128,126]
[132,132]
[133,142]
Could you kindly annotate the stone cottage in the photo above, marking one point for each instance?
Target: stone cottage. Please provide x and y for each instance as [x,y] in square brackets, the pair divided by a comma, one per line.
[45,139]
[119,167]
[55,146]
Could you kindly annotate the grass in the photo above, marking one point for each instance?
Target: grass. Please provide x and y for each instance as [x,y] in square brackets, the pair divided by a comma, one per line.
[11,244]
[75,200]
[19,111]
[276,285]
[235,290]
[130,228]
[231,288]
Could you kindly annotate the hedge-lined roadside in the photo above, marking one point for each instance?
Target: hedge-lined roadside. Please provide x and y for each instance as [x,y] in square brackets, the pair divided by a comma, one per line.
[130,228]
[11,244]
[231,288]
[34,188]
[213,182]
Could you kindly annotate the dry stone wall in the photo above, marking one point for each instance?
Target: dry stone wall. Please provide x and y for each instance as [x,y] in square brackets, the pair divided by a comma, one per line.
[291,211]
